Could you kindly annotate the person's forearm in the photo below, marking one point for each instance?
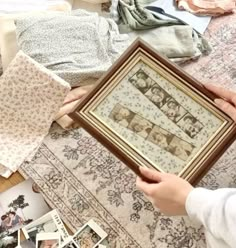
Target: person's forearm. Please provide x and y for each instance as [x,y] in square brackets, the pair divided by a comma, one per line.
[215,210]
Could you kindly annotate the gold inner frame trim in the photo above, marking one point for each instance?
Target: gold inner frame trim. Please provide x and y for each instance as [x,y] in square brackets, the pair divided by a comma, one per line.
[172,77]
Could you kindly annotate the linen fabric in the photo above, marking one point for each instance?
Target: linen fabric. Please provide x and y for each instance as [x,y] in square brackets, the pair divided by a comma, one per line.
[8,43]
[30,97]
[10,48]
[133,14]
[79,47]
[177,42]
[209,7]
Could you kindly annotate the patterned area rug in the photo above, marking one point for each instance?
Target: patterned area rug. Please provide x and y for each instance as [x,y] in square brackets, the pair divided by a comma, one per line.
[83,180]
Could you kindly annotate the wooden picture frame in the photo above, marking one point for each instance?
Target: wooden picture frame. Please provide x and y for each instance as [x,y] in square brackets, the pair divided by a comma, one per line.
[149,112]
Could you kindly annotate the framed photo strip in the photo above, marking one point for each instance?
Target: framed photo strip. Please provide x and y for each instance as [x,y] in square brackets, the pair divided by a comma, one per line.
[149,112]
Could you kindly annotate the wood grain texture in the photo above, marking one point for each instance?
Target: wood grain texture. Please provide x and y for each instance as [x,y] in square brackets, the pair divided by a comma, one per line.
[15,179]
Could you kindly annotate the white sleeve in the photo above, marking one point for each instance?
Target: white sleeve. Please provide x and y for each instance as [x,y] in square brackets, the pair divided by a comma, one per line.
[216,211]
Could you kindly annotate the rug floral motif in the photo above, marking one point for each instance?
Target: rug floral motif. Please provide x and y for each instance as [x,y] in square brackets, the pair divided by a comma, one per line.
[83,180]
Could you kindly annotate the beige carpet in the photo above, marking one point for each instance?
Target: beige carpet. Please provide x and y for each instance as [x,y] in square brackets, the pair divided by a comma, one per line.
[83,180]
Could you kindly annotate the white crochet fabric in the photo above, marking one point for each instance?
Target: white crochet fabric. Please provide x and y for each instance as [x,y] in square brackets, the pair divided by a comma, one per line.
[30,97]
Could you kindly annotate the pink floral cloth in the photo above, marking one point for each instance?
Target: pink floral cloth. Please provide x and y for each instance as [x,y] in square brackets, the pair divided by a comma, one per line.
[30,97]
[207,7]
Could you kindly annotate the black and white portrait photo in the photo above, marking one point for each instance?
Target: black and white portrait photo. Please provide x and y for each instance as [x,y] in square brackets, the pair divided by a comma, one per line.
[140,126]
[157,95]
[141,81]
[190,125]
[180,148]
[173,110]
[160,137]
[122,115]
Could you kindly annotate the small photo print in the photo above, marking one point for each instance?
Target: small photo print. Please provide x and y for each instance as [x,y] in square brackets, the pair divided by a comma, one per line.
[89,236]
[173,110]
[121,115]
[10,241]
[48,240]
[49,223]
[140,126]
[141,81]
[190,125]
[157,95]
[180,148]
[160,137]
[19,206]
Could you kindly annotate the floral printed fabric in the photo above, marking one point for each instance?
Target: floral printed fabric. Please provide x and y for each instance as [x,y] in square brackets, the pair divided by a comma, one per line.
[79,47]
[209,7]
[30,97]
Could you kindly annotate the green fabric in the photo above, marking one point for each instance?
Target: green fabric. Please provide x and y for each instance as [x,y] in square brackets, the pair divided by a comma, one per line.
[134,15]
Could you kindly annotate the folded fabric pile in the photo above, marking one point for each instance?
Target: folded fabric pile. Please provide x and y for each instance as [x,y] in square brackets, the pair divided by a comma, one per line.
[79,47]
[132,9]
[8,7]
[30,98]
[171,37]
[207,7]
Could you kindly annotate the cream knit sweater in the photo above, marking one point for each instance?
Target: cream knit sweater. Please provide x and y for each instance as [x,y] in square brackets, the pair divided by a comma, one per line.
[216,211]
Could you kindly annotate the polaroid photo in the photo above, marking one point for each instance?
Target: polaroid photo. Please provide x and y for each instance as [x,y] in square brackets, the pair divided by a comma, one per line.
[89,236]
[10,241]
[19,206]
[49,223]
[48,240]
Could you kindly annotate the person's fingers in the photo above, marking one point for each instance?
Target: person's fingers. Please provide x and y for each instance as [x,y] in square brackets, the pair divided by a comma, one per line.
[147,188]
[224,93]
[151,174]
[227,108]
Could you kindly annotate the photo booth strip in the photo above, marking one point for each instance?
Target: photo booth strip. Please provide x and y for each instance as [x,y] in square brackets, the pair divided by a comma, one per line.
[197,126]
[173,144]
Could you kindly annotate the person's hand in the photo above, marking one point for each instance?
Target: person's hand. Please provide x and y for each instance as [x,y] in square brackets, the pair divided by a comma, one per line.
[168,194]
[228,104]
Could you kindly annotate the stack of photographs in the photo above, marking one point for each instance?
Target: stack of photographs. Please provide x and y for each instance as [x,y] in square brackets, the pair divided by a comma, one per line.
[19,206]
[50,232]
[50,223]
[23,208]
